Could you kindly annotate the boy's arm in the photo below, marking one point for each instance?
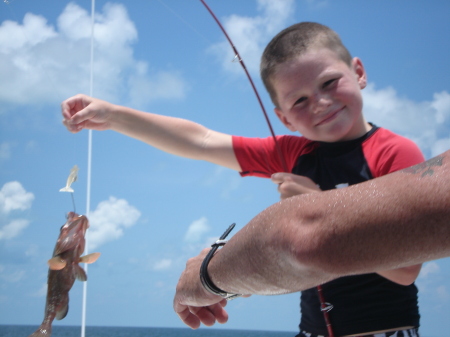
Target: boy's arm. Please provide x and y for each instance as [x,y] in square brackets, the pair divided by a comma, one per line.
[173,135]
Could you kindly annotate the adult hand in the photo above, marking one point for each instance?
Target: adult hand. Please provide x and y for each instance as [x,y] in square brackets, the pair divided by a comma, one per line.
[291,184]
[84,112]
[192,303]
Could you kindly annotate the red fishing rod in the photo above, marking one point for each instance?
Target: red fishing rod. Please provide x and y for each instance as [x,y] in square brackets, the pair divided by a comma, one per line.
[241,61]
[325,307]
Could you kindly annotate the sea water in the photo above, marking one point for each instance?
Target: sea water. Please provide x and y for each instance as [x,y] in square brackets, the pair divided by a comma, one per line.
[95,331]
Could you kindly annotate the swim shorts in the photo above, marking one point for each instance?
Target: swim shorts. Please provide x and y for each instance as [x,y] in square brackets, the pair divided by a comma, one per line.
[400,333]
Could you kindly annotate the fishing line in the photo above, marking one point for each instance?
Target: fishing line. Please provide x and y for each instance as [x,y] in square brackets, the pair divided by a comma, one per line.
[73,203]
[184,21]
[89,164]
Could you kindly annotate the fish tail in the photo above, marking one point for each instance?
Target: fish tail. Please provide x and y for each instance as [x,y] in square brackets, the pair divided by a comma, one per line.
[66,189]
[43,331]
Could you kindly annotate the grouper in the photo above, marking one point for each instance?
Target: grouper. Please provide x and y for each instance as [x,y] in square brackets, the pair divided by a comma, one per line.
[64,268]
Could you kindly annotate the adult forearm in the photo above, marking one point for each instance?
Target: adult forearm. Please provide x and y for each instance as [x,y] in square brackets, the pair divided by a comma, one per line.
[395,221]
[390,222]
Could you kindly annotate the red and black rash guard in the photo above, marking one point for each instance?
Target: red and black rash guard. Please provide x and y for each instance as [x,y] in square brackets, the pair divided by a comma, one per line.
[361,303]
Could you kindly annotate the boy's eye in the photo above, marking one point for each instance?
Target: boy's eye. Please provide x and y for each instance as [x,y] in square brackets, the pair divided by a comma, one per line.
[329,82]
[300,100]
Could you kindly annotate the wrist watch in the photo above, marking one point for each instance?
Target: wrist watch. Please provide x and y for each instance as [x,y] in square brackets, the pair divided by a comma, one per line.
[204,277]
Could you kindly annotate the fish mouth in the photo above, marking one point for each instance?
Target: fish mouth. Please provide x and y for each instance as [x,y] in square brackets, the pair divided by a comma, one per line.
[72,233]
[80,221]
[73,219]
[76,228]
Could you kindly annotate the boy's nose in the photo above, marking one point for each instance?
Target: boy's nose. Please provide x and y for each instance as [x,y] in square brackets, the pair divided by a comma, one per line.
[320,103]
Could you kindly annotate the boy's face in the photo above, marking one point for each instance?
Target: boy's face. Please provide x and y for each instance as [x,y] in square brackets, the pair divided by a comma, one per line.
[319,95]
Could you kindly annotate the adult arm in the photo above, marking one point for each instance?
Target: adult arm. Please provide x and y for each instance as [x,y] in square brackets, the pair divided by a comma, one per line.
[310,239]
[173,135]
[290,184]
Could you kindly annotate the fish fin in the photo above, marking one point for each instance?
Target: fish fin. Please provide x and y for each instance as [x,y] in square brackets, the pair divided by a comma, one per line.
[56,263]
[80,274]
[66,189]
[90,258]
[60,314]
[42,331]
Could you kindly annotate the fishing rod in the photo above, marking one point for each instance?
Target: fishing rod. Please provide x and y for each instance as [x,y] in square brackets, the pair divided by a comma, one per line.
[325,307]
[241,61]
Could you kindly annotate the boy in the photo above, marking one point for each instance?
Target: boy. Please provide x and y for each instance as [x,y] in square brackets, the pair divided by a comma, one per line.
[315,86]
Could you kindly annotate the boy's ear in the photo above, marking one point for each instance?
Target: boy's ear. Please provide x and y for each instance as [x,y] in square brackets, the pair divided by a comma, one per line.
[360,72]
[284,120]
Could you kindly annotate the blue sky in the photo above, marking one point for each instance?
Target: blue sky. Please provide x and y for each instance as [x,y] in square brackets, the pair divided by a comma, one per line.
[151,211]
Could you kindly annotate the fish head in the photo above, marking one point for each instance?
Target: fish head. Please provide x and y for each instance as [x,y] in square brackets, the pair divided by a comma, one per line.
[72,233]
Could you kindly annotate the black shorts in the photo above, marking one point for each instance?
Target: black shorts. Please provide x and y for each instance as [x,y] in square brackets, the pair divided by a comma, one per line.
[399,333]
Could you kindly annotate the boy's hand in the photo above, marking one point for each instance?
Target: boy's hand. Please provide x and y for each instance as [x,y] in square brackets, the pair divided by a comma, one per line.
[291,184]
[84,112]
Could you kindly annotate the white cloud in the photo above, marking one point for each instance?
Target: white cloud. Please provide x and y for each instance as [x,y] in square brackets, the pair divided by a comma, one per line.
[12,275]
[225,177]
[109,220]
[427,122]
[41,292]
[196,230]
[162,85]
[250,35]
[317,4]
[40,63]
[430,284]
[32,250]
[31,146]
[5,151]
[428,269]
[440,146]
[441,104]
[14,197]
[14,37]
[442,293]
[13,229]
[162,264]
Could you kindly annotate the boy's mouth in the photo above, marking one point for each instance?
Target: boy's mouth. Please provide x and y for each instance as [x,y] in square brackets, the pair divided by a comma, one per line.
[329,117]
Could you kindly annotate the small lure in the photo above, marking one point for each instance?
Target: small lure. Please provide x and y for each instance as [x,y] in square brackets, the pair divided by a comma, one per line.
[71,179]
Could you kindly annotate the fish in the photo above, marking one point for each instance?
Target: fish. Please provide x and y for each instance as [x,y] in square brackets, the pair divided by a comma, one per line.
[64,268]
[73,175]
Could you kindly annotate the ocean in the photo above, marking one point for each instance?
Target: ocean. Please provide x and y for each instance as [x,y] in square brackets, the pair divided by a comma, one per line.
[97,331]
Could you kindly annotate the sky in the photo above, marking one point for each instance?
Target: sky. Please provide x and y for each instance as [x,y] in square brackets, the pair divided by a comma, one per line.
[150,211]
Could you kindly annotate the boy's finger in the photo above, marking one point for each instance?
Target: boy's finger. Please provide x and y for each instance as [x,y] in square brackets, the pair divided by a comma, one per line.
[82,115]
[278,178]
[65,110]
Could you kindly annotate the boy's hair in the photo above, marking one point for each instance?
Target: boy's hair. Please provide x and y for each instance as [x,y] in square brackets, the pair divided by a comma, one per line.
[295,41]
